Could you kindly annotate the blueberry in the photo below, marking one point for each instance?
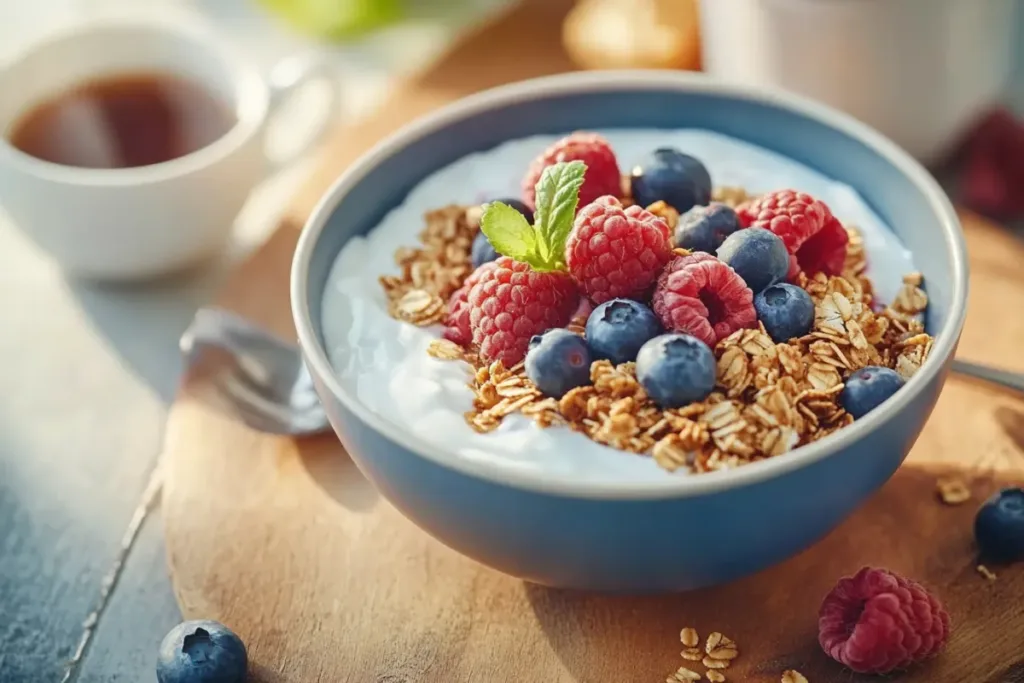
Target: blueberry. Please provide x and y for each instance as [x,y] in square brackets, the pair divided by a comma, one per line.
[999,526]
[867,388]
[785,310]
[757,255]
[558,361]
[618,328]
[482,251]
[676,369]
[673,177]
[518,206]
[201,652]
[704,228]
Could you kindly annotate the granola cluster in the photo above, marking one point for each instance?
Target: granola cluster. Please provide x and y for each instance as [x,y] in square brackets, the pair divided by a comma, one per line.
[770,398]
[432,272]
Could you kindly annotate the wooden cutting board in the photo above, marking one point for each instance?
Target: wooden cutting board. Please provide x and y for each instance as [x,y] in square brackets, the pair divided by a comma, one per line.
[286,542]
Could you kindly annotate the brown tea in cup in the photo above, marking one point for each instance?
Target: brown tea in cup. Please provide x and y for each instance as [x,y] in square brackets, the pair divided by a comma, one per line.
[123,121]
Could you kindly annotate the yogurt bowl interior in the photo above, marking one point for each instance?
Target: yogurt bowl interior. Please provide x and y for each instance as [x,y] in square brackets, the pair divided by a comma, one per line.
[550,505]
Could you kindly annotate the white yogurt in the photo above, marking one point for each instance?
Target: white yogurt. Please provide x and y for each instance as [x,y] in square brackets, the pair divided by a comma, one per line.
[384,363]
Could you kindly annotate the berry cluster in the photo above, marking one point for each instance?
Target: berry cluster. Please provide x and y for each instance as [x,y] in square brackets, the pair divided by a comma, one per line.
[665,295]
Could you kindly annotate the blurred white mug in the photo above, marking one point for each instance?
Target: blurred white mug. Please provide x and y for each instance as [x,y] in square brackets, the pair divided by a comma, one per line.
[143,221]
[919,71]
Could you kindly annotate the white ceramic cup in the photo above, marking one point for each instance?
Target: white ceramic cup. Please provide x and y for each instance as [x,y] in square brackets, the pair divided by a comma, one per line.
[920,71]
[142,222]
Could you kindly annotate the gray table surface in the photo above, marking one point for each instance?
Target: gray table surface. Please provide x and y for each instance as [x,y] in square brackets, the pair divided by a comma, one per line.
[86,376]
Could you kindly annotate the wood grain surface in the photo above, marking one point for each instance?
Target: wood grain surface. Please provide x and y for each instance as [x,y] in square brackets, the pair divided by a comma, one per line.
[287,543]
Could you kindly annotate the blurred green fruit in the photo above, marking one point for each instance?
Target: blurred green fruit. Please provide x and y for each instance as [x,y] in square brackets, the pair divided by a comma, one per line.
[335,19]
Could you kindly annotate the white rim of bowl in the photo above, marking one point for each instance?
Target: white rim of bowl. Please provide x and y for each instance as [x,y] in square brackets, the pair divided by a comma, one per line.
[250,105]
[597,81]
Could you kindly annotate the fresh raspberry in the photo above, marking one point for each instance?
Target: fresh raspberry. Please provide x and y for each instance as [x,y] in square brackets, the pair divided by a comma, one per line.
[602,176]
[877,622]
[456,323]
[614,252]
[701,296]
[512,302]
[815,239]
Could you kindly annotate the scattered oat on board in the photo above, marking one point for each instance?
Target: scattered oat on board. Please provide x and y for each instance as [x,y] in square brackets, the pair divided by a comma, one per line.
[721,647]
[715,676]
[688,637]
[712,663]
[770,398]
[683,675]
[986,573]
[793,676]
[952,490]
[692,654]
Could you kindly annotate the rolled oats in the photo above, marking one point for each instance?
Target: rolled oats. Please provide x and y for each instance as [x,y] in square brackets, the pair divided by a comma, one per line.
[420,307]
[793,676]
[692,654]
[911,299]
[719,646]
[953,490]
[443,349]
[770,397]
[668,213]
[712,663]
[683,675]
[688,637]
[986,573]
[715,676]
[730,196]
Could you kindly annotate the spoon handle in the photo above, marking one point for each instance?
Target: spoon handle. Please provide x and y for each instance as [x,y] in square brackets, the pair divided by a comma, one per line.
[1004,378]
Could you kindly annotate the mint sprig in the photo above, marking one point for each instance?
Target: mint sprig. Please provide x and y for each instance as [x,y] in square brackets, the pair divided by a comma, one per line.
[541,245]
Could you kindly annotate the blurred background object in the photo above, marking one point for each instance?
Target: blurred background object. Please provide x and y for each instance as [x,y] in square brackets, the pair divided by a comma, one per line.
[336,19]
[920,71]
[992,167]
[634,34]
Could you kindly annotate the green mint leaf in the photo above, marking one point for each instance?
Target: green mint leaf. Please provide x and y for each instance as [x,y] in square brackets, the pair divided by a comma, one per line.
[558,194]
[509,232]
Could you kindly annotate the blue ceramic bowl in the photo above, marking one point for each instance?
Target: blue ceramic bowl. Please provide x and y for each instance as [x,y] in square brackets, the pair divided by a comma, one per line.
[681,532]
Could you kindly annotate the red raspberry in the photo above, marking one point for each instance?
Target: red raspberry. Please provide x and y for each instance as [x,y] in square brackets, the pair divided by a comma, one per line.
[602,176]
[703,297]
[815,239]
[615,252]
[456,323]
[877,622]
[512,302]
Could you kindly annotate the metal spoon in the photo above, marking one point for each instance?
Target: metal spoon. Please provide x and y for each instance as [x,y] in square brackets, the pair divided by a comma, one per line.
[1004,378]
[250,374]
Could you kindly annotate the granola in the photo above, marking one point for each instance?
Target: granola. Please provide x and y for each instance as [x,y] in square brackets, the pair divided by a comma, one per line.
[770,397]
